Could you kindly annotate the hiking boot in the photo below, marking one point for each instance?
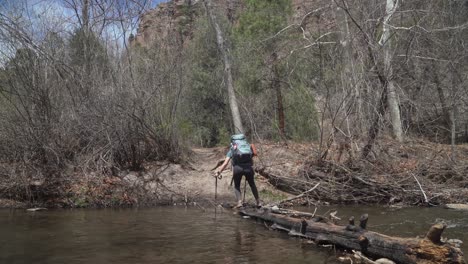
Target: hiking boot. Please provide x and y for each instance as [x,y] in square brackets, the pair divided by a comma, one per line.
[259,204]
[239,205]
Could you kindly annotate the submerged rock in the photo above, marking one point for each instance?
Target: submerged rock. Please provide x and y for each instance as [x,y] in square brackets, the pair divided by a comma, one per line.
[36,209]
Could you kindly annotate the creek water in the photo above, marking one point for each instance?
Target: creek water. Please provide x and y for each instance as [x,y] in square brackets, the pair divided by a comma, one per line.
[188,235]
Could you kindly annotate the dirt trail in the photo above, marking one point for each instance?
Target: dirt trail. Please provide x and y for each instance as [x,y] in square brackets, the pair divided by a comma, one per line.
[198,183]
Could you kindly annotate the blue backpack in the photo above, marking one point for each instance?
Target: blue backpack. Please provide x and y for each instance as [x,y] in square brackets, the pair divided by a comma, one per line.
[241,150]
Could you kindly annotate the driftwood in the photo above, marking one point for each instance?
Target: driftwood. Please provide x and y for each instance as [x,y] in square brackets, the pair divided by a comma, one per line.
[457,206]
[427,250]
[346,186]
[36,209]
[287,184]
[299,196]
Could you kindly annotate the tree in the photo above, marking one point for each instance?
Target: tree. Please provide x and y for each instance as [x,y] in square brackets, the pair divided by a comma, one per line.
[385,42]
[236,117]
[207,117]
[258,25]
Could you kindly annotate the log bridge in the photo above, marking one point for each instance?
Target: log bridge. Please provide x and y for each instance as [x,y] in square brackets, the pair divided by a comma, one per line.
[323,231]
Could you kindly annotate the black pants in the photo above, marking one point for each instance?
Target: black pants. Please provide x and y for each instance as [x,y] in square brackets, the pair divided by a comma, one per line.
[248,172]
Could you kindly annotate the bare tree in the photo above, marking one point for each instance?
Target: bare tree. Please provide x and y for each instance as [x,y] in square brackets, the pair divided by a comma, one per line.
[385,42]
[236,117]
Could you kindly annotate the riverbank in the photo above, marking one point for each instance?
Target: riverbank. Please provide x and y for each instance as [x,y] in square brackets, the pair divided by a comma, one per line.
[413,173]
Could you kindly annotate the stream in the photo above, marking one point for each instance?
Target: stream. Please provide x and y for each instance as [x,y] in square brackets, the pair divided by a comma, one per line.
[189,235]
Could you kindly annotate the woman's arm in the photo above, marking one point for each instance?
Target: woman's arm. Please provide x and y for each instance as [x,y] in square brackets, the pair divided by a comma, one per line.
[223,166]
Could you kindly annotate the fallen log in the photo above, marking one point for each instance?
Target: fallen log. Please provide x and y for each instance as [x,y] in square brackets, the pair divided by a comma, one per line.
[427,250]
[457,206]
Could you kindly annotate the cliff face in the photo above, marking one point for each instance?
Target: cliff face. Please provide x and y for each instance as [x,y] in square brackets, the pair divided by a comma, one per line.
[175,19]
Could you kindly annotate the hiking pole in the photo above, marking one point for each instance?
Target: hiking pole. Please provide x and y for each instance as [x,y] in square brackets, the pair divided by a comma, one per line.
[217,176]
[216,188]
[245,190]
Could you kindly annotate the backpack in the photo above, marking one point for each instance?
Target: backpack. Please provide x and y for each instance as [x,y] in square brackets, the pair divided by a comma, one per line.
[241,150]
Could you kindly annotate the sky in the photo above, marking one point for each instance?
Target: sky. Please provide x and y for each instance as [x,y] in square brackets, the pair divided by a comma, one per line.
[37,17]
[155,2]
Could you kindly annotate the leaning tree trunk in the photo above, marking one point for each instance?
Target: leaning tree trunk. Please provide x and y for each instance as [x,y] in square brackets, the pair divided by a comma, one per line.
[385,42]
[238,127]
[276,85]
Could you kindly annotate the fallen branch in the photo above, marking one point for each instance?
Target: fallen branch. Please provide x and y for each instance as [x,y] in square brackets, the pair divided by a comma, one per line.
[290,185]
[300,195]
[359,256]
[420,187]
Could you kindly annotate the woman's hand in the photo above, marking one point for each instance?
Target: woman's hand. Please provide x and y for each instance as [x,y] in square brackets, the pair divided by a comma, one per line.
[218,174]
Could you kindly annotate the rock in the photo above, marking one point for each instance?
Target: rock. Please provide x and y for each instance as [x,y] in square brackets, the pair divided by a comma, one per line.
[455,242]
[384,261]
[133,179]
[148,176]
[151,186]
[36,209]
[167,19]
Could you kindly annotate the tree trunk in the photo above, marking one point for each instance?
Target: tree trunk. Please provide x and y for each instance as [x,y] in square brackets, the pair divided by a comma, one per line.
[279,101]
[453,119]
[375,126]
[348,72]
[85,14]
[238,127]
[401,250]
[276,86]
[440,92]
[87,82]
[385,42]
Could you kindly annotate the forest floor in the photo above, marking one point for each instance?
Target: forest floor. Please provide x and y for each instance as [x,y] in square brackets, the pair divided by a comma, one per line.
[413,173]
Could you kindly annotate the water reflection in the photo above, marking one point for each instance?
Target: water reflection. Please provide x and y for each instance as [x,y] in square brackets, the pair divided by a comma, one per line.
[181,235]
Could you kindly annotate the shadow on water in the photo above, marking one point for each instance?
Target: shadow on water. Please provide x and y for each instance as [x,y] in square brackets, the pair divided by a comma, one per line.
[187,235]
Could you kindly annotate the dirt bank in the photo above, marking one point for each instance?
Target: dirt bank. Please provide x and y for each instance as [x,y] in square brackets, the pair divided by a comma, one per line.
[412,173]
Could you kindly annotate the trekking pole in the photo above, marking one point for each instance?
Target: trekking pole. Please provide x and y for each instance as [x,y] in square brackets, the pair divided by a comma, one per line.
[216,188]
[245,190]
[217,176]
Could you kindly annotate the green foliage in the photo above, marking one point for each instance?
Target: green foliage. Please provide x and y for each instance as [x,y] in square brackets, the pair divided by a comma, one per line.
[86,49]
[205,106]
[301,114]
[268,195]
[262,65]
[80,202]
[262,18]
[186,19]
[224,136]
[88,55]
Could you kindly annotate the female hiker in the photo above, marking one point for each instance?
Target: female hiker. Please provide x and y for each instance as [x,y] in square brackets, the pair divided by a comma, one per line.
[241,153]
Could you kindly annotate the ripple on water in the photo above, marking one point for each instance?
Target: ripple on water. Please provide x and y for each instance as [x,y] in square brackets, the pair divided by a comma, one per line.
[179,235]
